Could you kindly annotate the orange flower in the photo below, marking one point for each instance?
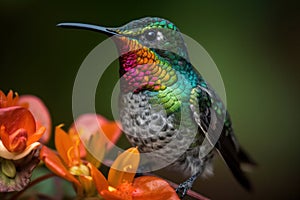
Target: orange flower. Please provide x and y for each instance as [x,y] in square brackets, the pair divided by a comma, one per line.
[17,132]
[68,164]
[96,132]
[34,105]
[123,185]
[121,175]
[19,136]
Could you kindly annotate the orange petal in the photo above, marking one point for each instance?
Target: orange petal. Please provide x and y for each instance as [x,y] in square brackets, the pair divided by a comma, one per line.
[16,117]
[108,195]
[64,144]
[98,178]
[113,132]
[95,149]
[36,136]
[153,188]
[55,164]
[87,185]
[40,113]
[14,142]
[124,167]
[75,137]
[2,99]
[9,97]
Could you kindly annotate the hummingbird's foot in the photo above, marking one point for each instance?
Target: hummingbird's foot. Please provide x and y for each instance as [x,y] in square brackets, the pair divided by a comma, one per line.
[182,189]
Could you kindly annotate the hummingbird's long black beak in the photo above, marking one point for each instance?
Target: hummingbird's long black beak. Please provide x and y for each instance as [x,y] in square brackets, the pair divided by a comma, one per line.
[101,29]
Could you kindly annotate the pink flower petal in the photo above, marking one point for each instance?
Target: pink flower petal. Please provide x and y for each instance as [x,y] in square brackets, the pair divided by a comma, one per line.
[40,113]
[89,124]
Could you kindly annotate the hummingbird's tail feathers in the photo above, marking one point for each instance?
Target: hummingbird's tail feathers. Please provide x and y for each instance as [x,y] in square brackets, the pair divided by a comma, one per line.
[236,160]
[236,169]
[247,163]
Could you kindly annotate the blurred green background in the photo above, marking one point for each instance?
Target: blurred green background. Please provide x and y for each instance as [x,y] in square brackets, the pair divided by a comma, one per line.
[255,45]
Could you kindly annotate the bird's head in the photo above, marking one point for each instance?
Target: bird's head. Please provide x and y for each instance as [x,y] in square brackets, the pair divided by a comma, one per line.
[142,42]
[150,32]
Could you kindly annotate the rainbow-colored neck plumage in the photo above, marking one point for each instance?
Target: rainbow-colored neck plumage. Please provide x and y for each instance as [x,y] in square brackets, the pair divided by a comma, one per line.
[142,69]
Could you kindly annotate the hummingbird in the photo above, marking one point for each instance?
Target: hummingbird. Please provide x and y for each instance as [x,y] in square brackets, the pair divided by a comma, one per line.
[167,109]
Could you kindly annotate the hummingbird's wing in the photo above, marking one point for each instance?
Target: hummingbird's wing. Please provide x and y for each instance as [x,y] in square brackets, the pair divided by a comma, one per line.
[211,116]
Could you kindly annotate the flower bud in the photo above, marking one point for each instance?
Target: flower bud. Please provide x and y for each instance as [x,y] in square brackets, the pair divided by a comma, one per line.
[8,168]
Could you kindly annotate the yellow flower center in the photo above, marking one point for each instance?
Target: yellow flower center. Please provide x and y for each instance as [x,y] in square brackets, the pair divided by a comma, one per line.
[111,189]
[80,170]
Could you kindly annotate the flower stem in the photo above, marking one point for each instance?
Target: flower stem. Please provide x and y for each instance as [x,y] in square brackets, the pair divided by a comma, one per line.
[36,181]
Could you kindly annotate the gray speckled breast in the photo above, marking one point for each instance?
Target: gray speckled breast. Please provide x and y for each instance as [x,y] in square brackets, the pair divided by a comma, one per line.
[153,131]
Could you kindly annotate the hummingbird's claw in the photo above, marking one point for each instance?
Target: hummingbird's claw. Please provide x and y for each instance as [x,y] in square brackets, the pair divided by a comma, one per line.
[182,189]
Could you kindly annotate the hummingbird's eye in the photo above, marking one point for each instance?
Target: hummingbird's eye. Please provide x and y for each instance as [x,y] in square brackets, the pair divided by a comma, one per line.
[150,35]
